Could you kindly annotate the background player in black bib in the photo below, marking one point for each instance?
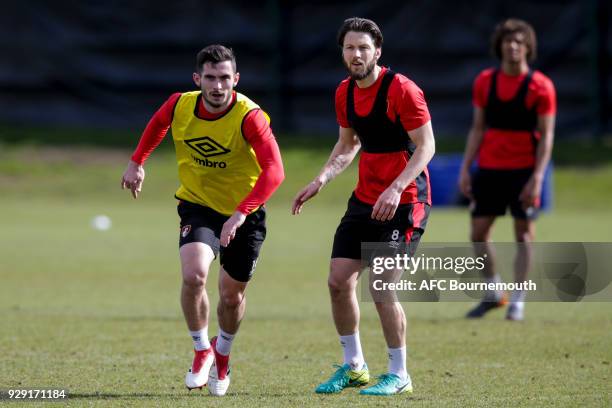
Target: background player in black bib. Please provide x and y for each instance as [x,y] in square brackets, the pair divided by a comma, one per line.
[512,137]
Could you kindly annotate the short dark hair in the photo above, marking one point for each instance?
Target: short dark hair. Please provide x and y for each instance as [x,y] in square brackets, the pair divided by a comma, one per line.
[512,26]
[360,25]
[214,54]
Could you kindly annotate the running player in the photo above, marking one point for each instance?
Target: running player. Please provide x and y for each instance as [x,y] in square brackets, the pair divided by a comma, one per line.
[229,165]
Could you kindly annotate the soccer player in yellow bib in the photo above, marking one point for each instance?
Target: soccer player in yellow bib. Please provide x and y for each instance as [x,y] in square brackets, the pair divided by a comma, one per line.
[229,165]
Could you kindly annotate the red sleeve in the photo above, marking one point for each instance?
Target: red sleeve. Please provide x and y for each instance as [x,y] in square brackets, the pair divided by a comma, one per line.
[257,132]
[546,103]
[480,89]
[156,130]
[341,104]
[408,102]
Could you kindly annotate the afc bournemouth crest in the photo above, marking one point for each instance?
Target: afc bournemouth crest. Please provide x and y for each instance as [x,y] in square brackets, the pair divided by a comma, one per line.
[185,231]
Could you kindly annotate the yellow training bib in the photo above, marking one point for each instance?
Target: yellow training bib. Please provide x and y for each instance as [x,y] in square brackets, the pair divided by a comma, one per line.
[217,167]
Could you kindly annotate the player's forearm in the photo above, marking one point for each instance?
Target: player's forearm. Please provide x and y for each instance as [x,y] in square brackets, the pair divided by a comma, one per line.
[418,161]
[543,154]
[544,150]
[266,185]
[471,148]
[271,177]
[152,136]
[341,157]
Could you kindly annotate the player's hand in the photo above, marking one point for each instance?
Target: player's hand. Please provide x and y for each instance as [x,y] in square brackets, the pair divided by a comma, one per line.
[386,205]
[530,195]
[133,177]
[465,184]
[306,194]
[228,232]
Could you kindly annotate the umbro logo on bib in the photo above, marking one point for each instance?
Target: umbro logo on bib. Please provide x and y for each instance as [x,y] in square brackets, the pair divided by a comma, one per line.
[206,146]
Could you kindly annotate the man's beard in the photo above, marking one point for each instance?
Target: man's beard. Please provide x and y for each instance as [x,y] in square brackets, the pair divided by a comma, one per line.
[358,77]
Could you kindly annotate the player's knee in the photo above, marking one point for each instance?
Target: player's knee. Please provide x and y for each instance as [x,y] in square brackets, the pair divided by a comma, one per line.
[337,286]
[231,299]
[195,278]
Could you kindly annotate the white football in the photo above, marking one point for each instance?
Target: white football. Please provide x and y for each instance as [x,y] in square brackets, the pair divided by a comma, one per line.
[101,222]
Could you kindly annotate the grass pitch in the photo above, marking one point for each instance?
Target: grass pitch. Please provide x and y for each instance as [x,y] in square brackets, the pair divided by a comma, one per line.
[97,312]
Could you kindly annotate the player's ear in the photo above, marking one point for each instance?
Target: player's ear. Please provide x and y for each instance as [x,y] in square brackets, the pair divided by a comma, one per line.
[197,79]
[236,78]
[378,53]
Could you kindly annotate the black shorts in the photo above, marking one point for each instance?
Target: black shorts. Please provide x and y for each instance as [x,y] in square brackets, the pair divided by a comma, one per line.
[357,226]
[203,224]
[496,190]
